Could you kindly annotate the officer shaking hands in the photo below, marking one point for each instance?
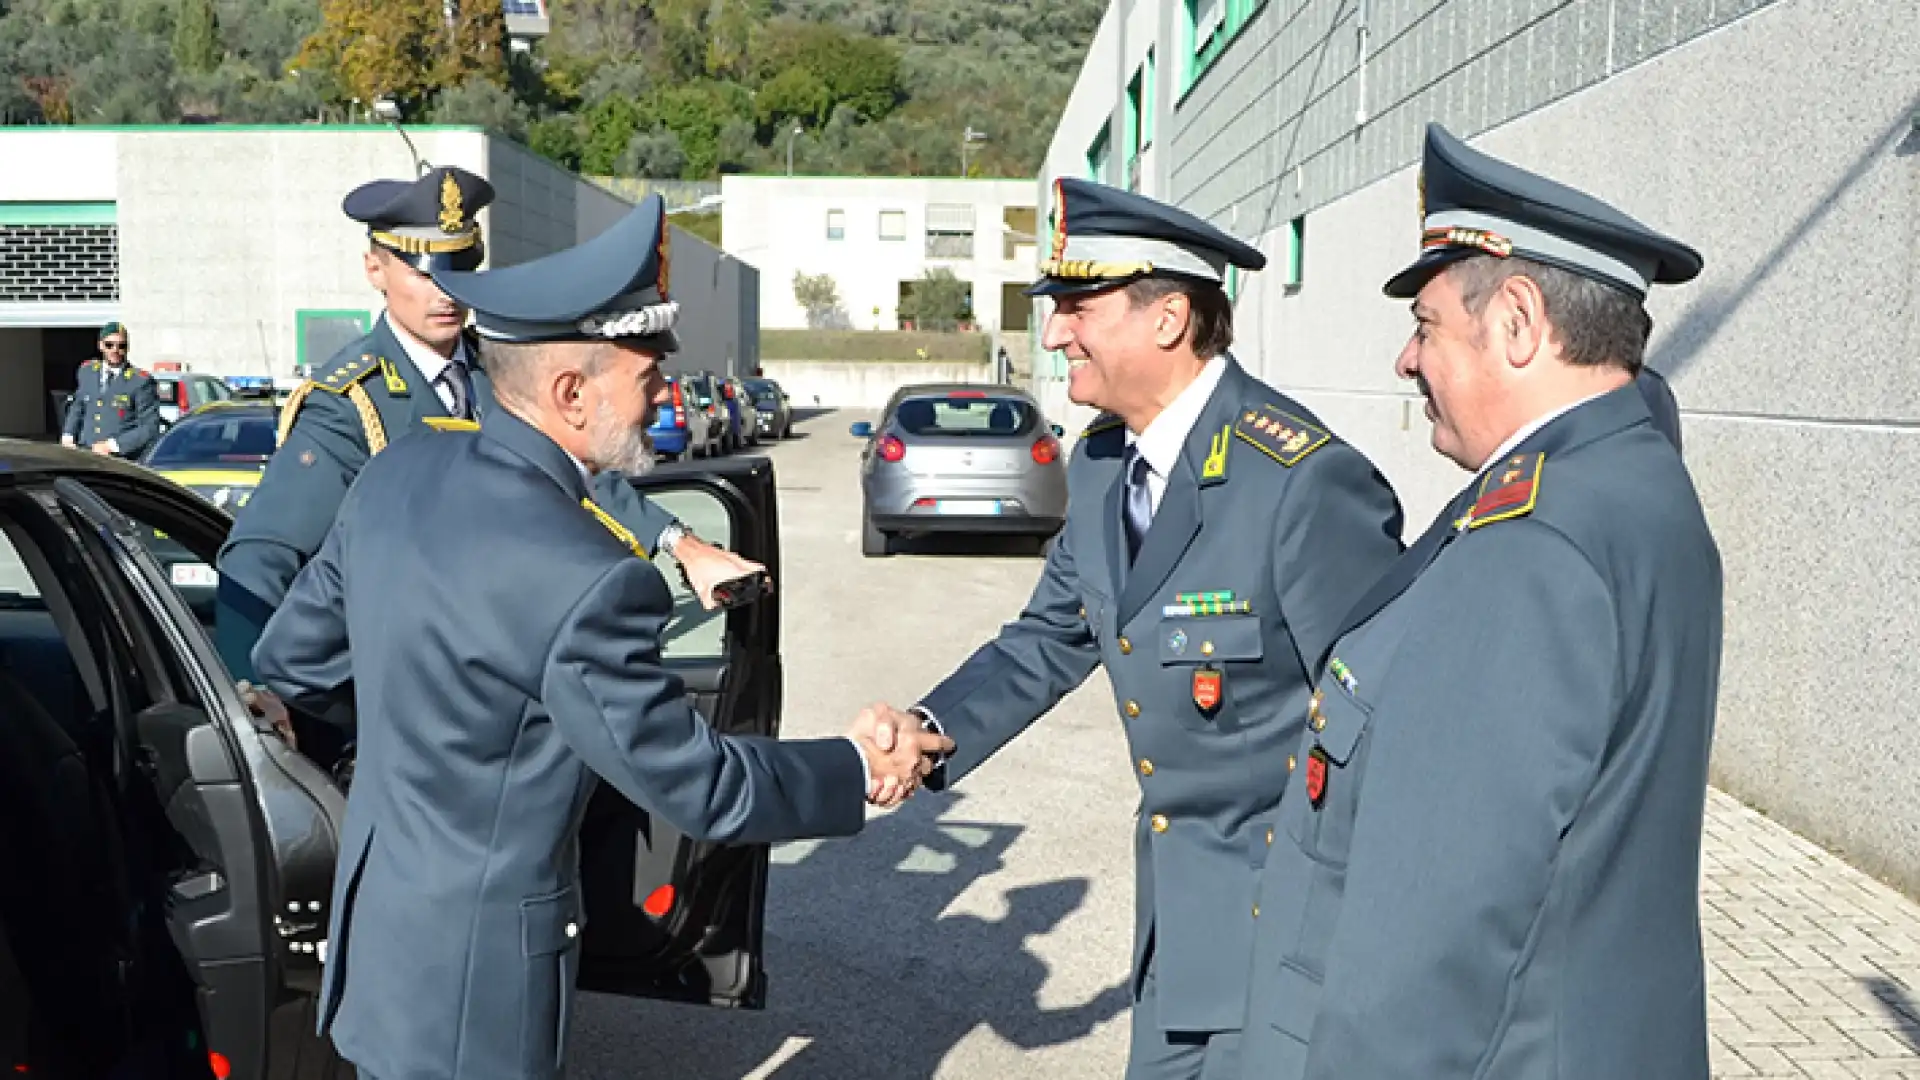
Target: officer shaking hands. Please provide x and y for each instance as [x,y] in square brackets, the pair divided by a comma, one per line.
[1216,532]
[417,364]
[1488,864]
[115,408]
[490,701]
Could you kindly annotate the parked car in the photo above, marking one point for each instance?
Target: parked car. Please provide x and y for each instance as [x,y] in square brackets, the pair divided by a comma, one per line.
[181,392]
[959,458]
[219,452]
[169,859]
[746,413]
[703,389]
[682,429]
[776,411]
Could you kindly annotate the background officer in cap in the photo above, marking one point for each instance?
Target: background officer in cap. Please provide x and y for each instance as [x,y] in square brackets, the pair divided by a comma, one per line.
[1488,863]
[115,407]
[1216,531]
[417,364]
[491,700]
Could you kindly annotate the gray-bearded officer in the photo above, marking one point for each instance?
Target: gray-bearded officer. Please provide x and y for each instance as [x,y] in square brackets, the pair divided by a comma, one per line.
[490,700]
[417,364]
[115,409]
[1216,532]
[1488,864]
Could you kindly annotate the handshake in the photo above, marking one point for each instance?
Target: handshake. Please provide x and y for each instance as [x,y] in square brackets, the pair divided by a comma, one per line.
[899,753]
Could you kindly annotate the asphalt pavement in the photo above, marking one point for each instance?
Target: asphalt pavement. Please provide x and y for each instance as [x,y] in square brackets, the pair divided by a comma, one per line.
[981,932]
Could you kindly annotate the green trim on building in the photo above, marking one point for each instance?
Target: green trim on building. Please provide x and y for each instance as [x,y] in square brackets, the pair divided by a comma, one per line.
[59,213]
[190,129]
[1195,61]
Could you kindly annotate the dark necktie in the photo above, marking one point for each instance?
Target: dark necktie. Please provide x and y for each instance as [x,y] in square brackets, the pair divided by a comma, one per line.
[1138,509]
[454,378]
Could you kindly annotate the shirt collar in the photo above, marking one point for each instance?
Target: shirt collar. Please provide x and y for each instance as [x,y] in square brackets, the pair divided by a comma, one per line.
[1538,422]
[1166,436]
[429,363]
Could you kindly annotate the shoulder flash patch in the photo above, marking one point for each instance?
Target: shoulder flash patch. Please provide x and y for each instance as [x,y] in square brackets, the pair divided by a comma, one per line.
[451,423]
[1103,422]
[1509,490]
[620,532]
[336,380]
[1280,435]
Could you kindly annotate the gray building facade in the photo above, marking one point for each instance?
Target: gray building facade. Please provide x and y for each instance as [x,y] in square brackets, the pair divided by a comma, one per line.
[1780,137]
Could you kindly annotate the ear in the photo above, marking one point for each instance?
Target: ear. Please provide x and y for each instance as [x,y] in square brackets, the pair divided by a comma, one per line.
[376,271]
[1170,325]
[1519,320]
[566,392]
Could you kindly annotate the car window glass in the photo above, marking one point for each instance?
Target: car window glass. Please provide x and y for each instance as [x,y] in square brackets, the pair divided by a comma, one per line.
[217,439]
[966,414]
[694,633]
[184,548]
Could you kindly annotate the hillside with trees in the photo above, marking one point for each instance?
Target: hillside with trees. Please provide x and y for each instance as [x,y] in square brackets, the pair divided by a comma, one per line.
[660,89]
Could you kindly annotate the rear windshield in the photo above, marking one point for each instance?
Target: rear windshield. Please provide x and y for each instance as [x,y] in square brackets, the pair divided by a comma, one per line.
[966,414]
[763,391]
[210,441]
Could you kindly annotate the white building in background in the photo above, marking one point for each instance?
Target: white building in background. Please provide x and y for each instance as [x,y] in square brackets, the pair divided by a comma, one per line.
[876,235]
[224,249]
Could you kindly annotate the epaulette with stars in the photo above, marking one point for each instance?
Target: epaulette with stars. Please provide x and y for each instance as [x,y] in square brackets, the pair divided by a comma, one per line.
[1510,489]
[1279,434]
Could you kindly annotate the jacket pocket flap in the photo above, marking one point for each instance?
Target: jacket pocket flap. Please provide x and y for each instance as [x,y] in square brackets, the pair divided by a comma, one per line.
[1209,638]
[548,924]
[1345,719]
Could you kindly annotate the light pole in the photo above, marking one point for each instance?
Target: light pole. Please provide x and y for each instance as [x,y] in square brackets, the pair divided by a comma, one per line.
[970,137]
[792,135]
[385,110]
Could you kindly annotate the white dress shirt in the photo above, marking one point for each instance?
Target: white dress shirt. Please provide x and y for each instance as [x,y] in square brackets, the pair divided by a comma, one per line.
[1166,437]
[430,363]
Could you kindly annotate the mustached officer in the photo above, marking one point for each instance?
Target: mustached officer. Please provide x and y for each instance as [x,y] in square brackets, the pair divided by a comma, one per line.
[419,363]
[1216,531]
[115,408]
[1489,862]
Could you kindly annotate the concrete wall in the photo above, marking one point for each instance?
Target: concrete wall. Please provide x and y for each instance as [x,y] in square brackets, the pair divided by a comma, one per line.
[23,407]
[540,208]
[779,225]
[716,333]
[862,385]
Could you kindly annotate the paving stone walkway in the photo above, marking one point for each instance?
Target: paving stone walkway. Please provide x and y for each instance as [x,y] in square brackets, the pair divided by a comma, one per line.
[1813,967]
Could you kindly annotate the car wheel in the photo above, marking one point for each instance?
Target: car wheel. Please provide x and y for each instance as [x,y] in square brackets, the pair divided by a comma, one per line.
[873,542]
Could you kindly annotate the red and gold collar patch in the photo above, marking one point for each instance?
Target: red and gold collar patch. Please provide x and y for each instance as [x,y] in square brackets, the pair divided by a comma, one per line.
[1510,489]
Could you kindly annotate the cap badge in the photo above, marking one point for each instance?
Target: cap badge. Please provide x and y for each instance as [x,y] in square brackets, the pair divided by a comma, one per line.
[450,210]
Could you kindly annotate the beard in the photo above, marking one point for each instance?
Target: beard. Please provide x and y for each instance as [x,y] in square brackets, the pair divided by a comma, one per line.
[617,445]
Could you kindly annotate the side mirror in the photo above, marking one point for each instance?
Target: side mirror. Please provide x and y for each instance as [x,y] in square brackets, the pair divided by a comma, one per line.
[862,429]
[1058,431]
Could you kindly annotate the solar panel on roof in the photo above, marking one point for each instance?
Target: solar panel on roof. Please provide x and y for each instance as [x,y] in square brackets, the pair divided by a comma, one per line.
[533,8]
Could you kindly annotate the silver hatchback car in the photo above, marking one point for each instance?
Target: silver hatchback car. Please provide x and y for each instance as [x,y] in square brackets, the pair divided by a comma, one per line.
[959,458]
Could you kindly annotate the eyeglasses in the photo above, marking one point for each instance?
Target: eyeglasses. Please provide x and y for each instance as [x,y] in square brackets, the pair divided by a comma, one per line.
[116,346]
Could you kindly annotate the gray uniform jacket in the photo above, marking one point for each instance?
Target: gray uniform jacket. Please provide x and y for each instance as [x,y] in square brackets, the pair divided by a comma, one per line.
[122,405]
[326,439]
[490,701]
[1294,523]
[1489,861]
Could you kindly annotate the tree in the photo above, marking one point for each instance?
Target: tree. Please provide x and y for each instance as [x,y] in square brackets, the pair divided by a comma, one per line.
[794,94]
[405,49]
[609,126]
[196,37]
[654,155]
[937,301]
[482,103]
[556,138]
[819,296]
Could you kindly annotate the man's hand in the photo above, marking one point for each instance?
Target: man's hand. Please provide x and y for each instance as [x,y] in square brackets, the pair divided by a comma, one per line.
[899,753]
[102,447]
[267,705]
[68,440]
[707,566]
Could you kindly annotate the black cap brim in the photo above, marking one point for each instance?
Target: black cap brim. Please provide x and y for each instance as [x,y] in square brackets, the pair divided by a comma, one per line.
[1407,284]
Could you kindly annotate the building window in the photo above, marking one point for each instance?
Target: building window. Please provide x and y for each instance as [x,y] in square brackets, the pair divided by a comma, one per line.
[893,224]
[1097,155]
[1020,230]
[1206,26]
[1293,271]
[320,334]
[949,231]
[836,224]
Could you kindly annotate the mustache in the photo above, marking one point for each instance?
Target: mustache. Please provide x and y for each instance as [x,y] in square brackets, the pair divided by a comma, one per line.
[1420,381]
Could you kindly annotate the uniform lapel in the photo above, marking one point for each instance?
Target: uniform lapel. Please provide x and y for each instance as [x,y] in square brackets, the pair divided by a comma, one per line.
[483,399]
[419,397]
[1178,519]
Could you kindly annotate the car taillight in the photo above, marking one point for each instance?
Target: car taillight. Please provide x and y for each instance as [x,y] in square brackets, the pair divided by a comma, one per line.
[1046,450]
[679,407]
[892,449]
[180,394]
[659,902]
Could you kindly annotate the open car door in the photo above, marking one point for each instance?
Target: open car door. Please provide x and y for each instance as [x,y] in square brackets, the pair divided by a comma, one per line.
[668,917]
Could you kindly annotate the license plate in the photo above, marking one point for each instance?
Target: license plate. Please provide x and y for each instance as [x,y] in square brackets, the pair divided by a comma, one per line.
[969,507]
[193,575]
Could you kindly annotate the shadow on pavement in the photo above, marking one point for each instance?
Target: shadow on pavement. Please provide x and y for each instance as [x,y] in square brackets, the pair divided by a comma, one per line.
[1898,1003]
[871,977]
[948,545]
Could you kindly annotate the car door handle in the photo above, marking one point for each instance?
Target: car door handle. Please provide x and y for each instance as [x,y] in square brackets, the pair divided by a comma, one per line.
[199,886]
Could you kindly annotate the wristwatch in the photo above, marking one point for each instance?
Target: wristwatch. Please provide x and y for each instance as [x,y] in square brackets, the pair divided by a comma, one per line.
[671,536]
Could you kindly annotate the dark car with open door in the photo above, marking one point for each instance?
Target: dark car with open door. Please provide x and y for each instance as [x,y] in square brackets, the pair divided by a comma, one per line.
[169,858]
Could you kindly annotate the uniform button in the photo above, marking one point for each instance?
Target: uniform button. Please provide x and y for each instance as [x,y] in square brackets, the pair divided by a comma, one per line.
[1206,648]
[572,929]
[1146,767]
[1319,722]
[1083,613]
[1126,646]
[1133,708]
[1290,763]
[1159,823]
[1269,837]
[1256,911]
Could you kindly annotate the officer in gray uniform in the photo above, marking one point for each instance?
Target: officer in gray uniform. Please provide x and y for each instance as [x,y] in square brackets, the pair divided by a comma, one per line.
[1216,531]
[418,364]
[492,700]
[1488,863]
[115,407]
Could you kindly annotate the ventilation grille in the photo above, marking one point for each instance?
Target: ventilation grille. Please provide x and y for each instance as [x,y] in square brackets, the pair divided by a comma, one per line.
[59,263]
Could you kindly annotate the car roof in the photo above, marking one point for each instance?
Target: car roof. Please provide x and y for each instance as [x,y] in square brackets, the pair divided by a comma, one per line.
[25,459]
[942,389]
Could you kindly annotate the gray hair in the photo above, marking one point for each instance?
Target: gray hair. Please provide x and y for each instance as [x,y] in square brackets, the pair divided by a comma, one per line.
[1597,323]
[515,367]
